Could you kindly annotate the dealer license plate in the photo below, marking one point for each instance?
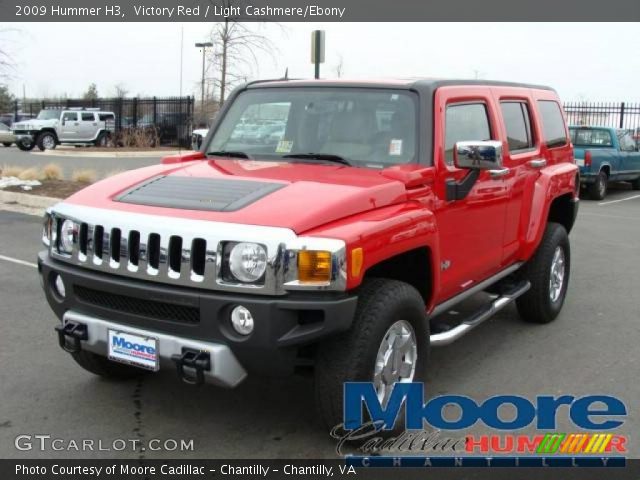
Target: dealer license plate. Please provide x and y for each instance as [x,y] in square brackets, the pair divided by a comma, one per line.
[134,350]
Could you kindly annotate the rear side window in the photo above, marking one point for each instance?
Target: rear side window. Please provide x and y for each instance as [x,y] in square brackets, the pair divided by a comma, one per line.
[87,117]
[465,122]
[587,137]
[552,123]
[518,125]
[106,116]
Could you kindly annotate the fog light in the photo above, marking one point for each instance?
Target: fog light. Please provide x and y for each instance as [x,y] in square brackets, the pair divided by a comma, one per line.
[58,286]
[242,320]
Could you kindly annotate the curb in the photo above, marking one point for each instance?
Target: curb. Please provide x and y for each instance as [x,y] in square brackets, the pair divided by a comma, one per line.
[81,152]
[28,200]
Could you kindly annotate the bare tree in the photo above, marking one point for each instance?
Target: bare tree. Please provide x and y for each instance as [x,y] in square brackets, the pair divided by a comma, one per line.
[7,63]
[339,67]
[91,93]
[237,48]
[120,90]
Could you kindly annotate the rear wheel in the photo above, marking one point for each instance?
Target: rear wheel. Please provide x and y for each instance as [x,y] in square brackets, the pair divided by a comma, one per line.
[548,272]
[387,343]
[46,141]
[104,367]
[636,184]
[598,189]
[7,144]
[103,140]
[25,144]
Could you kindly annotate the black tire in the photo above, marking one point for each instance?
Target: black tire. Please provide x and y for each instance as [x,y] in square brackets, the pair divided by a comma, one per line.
[350,356]
[25,145]
[102,366]
[636,184]
[598,189]
[103,140]
[537,305]
[7,144]
[43,138]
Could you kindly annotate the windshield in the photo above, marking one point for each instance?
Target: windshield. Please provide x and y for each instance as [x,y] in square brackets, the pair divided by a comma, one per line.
[49,114]
[590,137]
[367,127]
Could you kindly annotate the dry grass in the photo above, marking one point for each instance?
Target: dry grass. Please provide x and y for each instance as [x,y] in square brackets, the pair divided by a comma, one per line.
[137,138]
[30,174]
[52,171]
[84,176]
[11,170]
[117,171]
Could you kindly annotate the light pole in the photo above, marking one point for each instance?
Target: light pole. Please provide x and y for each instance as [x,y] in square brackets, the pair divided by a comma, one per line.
[203,46]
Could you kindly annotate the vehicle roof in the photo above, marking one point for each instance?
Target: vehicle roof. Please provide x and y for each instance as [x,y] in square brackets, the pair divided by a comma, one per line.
[419,84]
[593,127]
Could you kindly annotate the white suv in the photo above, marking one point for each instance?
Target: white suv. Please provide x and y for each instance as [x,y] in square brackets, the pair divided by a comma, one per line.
[55,126]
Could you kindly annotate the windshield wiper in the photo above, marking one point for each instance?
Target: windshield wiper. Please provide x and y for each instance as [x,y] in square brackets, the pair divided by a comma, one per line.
[230,153]
[320,156]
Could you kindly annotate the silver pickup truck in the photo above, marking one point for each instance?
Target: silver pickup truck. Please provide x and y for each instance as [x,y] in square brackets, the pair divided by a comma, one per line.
[55,126]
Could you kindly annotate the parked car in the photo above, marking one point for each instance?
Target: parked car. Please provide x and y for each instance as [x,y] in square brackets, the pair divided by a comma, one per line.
[605,155]
[6,137]
[332,249]
[55,126]
[10,118]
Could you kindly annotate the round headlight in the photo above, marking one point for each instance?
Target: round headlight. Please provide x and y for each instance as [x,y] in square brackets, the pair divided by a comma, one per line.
[248,261]
[67,232]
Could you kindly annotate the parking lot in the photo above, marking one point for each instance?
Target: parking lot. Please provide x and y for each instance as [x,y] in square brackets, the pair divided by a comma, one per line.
[592,348]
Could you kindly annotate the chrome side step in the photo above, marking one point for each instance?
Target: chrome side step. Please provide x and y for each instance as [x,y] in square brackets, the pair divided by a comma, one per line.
[450,336]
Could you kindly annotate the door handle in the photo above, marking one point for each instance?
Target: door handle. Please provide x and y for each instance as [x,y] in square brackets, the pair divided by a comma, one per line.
[499,173]
[538,163]
[76,124]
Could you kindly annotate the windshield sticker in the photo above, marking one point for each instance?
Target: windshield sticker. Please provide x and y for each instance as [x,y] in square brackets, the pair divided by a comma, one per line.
[284,146]
[395,147]
[258,165]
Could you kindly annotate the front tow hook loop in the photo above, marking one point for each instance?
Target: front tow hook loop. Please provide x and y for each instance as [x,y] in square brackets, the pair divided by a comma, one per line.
[193,359]
[75,332]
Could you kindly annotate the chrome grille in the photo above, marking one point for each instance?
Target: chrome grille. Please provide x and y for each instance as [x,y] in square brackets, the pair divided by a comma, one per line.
[186,252]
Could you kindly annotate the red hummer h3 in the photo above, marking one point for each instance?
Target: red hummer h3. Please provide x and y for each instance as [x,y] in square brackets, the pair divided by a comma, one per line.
[323,224]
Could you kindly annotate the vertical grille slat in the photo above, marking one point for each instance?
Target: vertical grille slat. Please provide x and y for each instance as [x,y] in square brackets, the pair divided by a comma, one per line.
[153,253]
[198,258]
[115,247]
[98,244]
[134,249]
[82,242]
[175,256]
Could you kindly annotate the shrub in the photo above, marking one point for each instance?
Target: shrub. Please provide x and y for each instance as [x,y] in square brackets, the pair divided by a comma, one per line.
[84,176]
[11,171]
[52,171]
[30,174]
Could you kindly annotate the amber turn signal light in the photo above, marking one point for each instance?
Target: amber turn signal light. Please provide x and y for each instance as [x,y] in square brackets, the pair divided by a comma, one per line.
[314,266]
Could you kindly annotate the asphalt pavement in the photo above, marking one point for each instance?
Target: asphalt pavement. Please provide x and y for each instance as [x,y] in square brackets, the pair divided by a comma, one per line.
[592,348]
[102,166]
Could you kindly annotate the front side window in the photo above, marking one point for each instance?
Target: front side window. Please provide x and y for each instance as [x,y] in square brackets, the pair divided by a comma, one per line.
[371,128]
[552,123]
[517,123]
[465,122]
[590,137]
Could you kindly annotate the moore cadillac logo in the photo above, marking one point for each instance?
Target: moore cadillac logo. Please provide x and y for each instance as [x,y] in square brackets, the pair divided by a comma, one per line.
[368,424]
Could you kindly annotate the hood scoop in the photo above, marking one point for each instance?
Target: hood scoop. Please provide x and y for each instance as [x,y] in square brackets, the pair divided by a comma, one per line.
[212,194]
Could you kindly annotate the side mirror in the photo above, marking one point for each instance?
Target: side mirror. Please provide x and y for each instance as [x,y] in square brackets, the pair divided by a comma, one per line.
[64,120]
[478,155]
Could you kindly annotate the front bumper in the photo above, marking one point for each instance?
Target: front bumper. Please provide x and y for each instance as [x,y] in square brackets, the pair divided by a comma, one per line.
[185,315]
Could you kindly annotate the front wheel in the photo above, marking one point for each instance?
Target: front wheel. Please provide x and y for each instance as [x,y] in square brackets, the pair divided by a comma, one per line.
[387,343]
[46,141]
[598,189]
[548,272]
[636,184]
